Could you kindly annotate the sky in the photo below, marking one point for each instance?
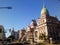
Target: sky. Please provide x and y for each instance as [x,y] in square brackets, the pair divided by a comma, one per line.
[23,11]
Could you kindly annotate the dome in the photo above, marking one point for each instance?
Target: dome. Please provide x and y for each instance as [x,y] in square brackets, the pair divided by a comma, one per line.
[44,11]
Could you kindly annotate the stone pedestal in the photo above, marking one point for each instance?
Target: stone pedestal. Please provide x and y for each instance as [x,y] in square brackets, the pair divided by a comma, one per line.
[50,39]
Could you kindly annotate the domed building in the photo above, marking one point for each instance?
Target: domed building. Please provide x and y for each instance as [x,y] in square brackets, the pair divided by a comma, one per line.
[47,27]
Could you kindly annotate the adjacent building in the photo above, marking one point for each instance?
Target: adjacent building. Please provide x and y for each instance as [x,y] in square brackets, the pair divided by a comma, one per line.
[15,34]
[21,34]
[30,31]
[2,33]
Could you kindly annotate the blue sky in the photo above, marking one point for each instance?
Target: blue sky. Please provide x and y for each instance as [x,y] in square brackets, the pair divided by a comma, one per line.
[24,11]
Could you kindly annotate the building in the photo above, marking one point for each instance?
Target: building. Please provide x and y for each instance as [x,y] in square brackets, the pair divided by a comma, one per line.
[30,31]
[21,34]
[15,33]
[2,34]
[47,27]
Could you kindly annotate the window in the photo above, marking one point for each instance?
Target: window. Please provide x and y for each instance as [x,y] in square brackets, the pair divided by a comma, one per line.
[0,30]
[35,33]
[43,21]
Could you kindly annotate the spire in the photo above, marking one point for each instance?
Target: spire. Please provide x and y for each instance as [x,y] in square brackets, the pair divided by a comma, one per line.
[44,6]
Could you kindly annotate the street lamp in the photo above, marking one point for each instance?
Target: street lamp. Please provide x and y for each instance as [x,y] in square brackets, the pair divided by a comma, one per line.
[8,7]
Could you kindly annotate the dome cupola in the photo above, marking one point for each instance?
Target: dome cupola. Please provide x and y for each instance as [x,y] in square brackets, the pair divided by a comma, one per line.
[44,11]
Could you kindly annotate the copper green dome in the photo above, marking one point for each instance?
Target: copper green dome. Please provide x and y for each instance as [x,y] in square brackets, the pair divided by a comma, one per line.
[44,10]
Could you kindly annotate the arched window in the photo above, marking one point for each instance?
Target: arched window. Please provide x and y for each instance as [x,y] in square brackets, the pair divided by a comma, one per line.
[35,33]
